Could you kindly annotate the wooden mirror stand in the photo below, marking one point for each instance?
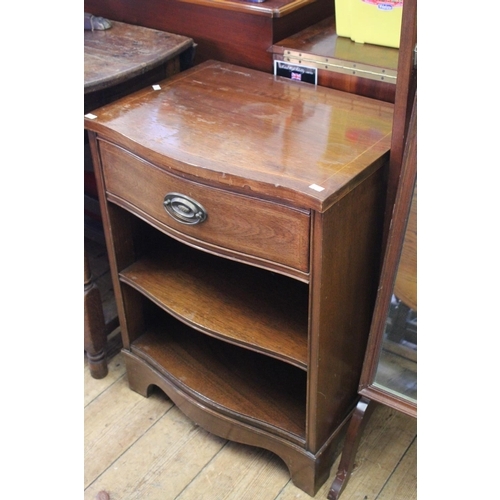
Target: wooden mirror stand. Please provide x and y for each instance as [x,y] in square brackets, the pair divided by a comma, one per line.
[389,372]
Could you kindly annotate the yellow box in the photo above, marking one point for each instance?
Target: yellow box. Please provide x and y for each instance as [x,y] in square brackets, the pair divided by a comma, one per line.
[370,21]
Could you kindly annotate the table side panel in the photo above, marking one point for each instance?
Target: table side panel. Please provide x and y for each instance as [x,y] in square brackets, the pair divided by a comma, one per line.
[346,256]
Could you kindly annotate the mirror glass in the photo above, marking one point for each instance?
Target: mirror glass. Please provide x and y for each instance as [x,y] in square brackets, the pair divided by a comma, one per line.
[397,365]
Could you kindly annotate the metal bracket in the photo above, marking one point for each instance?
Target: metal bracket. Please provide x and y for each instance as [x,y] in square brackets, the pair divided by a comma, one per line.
[341,66]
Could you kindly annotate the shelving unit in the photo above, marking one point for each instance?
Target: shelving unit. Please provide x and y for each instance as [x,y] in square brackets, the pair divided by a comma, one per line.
[245,283]
[363,69]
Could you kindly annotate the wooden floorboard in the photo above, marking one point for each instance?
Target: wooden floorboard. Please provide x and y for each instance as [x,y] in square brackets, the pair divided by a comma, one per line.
[145,448]
[402,482]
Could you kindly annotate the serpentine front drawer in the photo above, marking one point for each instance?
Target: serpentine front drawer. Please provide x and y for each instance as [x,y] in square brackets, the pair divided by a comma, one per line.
[203,215]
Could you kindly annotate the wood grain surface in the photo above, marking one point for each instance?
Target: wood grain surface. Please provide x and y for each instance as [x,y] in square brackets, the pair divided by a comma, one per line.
[269,124]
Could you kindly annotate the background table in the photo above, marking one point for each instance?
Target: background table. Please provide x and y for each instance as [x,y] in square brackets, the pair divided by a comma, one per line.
[118,61]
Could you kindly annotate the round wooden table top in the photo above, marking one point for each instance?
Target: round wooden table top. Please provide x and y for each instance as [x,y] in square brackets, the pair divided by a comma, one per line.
[115,55]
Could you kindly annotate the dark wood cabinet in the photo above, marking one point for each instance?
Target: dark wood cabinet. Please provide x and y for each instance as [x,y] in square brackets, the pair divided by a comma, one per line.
[246,275]
[234,31]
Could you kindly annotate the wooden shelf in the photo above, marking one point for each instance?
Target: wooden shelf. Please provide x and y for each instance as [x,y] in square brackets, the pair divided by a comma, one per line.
[235,382]
[364,69]
[258,309]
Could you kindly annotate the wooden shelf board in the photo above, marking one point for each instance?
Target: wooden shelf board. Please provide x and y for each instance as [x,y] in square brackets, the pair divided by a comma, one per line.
[235,382]
[250,307]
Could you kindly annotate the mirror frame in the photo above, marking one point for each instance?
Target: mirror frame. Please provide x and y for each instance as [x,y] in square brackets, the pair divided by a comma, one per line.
[400,214]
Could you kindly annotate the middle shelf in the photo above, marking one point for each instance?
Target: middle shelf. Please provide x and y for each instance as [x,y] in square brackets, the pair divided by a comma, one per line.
[256,309]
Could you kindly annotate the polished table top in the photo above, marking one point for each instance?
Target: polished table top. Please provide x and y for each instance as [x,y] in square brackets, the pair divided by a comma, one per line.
[118,54]
[254,131]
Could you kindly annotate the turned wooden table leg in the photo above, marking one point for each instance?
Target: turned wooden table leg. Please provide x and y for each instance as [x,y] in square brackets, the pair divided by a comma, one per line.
[359,419]
[95,330]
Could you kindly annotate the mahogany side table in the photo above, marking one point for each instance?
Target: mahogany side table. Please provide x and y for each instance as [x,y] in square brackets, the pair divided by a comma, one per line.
[243,216]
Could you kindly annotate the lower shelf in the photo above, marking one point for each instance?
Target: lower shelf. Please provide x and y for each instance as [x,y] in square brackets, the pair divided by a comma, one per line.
[246,386]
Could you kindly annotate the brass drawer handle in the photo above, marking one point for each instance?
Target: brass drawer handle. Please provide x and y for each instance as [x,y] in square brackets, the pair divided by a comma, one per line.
[184,209]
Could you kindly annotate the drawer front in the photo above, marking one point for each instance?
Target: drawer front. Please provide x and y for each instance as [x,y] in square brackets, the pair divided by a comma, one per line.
[232,221]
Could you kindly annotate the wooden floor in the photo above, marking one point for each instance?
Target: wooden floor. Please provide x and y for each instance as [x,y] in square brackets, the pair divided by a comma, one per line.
[145,448]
